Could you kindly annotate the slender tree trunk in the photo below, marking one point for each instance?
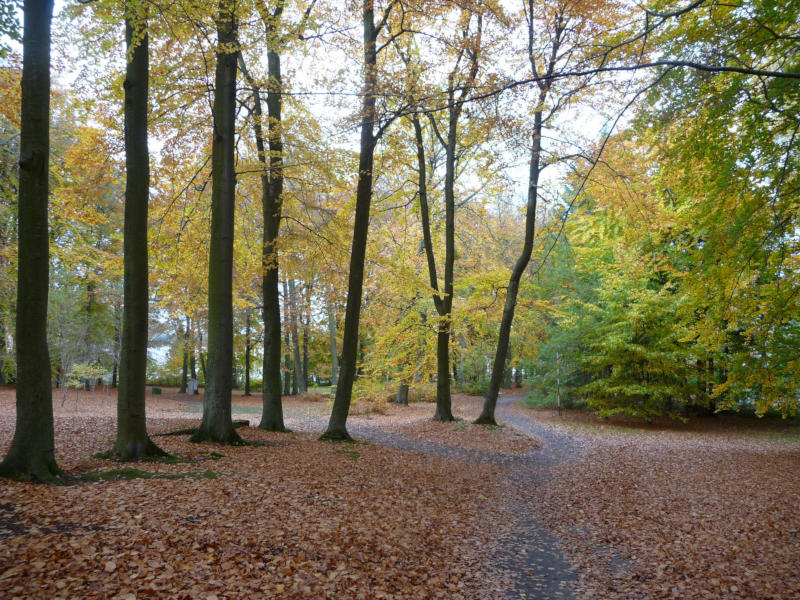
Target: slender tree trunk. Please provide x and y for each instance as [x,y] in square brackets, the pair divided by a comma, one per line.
[402,394]
[507,371]
[337,425]
[287,366]
[132,439]
[247,349]
[217,424]
[31,454]
[2,353]
[487,414]
[287,360]
[272,205]
[185,368]
[298,365]
[114,375]
[332,338]
[192,356]
[306,320]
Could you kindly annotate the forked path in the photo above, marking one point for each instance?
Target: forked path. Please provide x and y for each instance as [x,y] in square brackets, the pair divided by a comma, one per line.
[530,558]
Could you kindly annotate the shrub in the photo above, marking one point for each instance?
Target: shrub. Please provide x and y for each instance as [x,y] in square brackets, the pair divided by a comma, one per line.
[425,392]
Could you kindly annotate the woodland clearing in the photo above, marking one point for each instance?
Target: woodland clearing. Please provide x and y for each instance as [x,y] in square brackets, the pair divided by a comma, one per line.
[669,510]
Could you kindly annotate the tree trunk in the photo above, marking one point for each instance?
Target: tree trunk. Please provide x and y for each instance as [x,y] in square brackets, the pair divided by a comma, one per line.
[332,338]
[114,375]
[487,414]
[298,365]
[337,425]
[402,394]
[306,318]
[247,357]
[192,356]
[287,367]
[507,371]
[31,454]
[132,439]
[287,359]
[217,424]
[272,205]
[185,368]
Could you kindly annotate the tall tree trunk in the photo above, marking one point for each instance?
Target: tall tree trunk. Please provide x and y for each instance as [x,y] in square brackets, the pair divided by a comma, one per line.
[287,359]
[132,439]
[298,365]
[217,424]
[287,366]
[337,424]
[32,450]
[487,413]
[185,367]
[306,328]
[192,356]
[114,374]
[332,338]
[247,356]
[2,353]
[272,205]
[443,300]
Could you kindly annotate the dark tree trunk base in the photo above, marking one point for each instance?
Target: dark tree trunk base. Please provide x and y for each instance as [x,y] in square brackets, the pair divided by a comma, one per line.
[227,438]
[35,471]
[273,427]
[485,420]
[444,412]
[336,435]
[137,449]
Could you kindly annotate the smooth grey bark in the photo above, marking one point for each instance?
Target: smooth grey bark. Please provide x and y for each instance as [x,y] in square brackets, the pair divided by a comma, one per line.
[272,206]
[132,440]
[298,365]
[332,340]
[185,366]
[306,320]
[32,454]
[247,350]
[337,424]
[287,359]
[535,168]
[217,424]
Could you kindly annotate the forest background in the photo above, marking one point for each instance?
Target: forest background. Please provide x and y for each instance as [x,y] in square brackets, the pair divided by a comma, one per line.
[659,143]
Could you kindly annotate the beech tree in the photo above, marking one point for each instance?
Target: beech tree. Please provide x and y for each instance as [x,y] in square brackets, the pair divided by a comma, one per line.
[31,454]
[217,424]
[337,429]
[132,440]
[557,42]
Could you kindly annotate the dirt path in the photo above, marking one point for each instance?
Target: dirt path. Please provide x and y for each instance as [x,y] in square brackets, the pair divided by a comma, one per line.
[529,558]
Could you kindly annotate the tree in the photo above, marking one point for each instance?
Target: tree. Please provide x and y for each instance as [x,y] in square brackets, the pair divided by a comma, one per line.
[565,24]
[337,424]
[459,85]
[132,440]
[217,424]
[32,449]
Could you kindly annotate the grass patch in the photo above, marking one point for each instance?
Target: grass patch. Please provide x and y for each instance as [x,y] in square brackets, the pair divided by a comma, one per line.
[491,427]
[354,454]
[131,473]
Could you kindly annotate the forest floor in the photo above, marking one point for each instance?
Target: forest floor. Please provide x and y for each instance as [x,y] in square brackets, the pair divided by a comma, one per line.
[547,507]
